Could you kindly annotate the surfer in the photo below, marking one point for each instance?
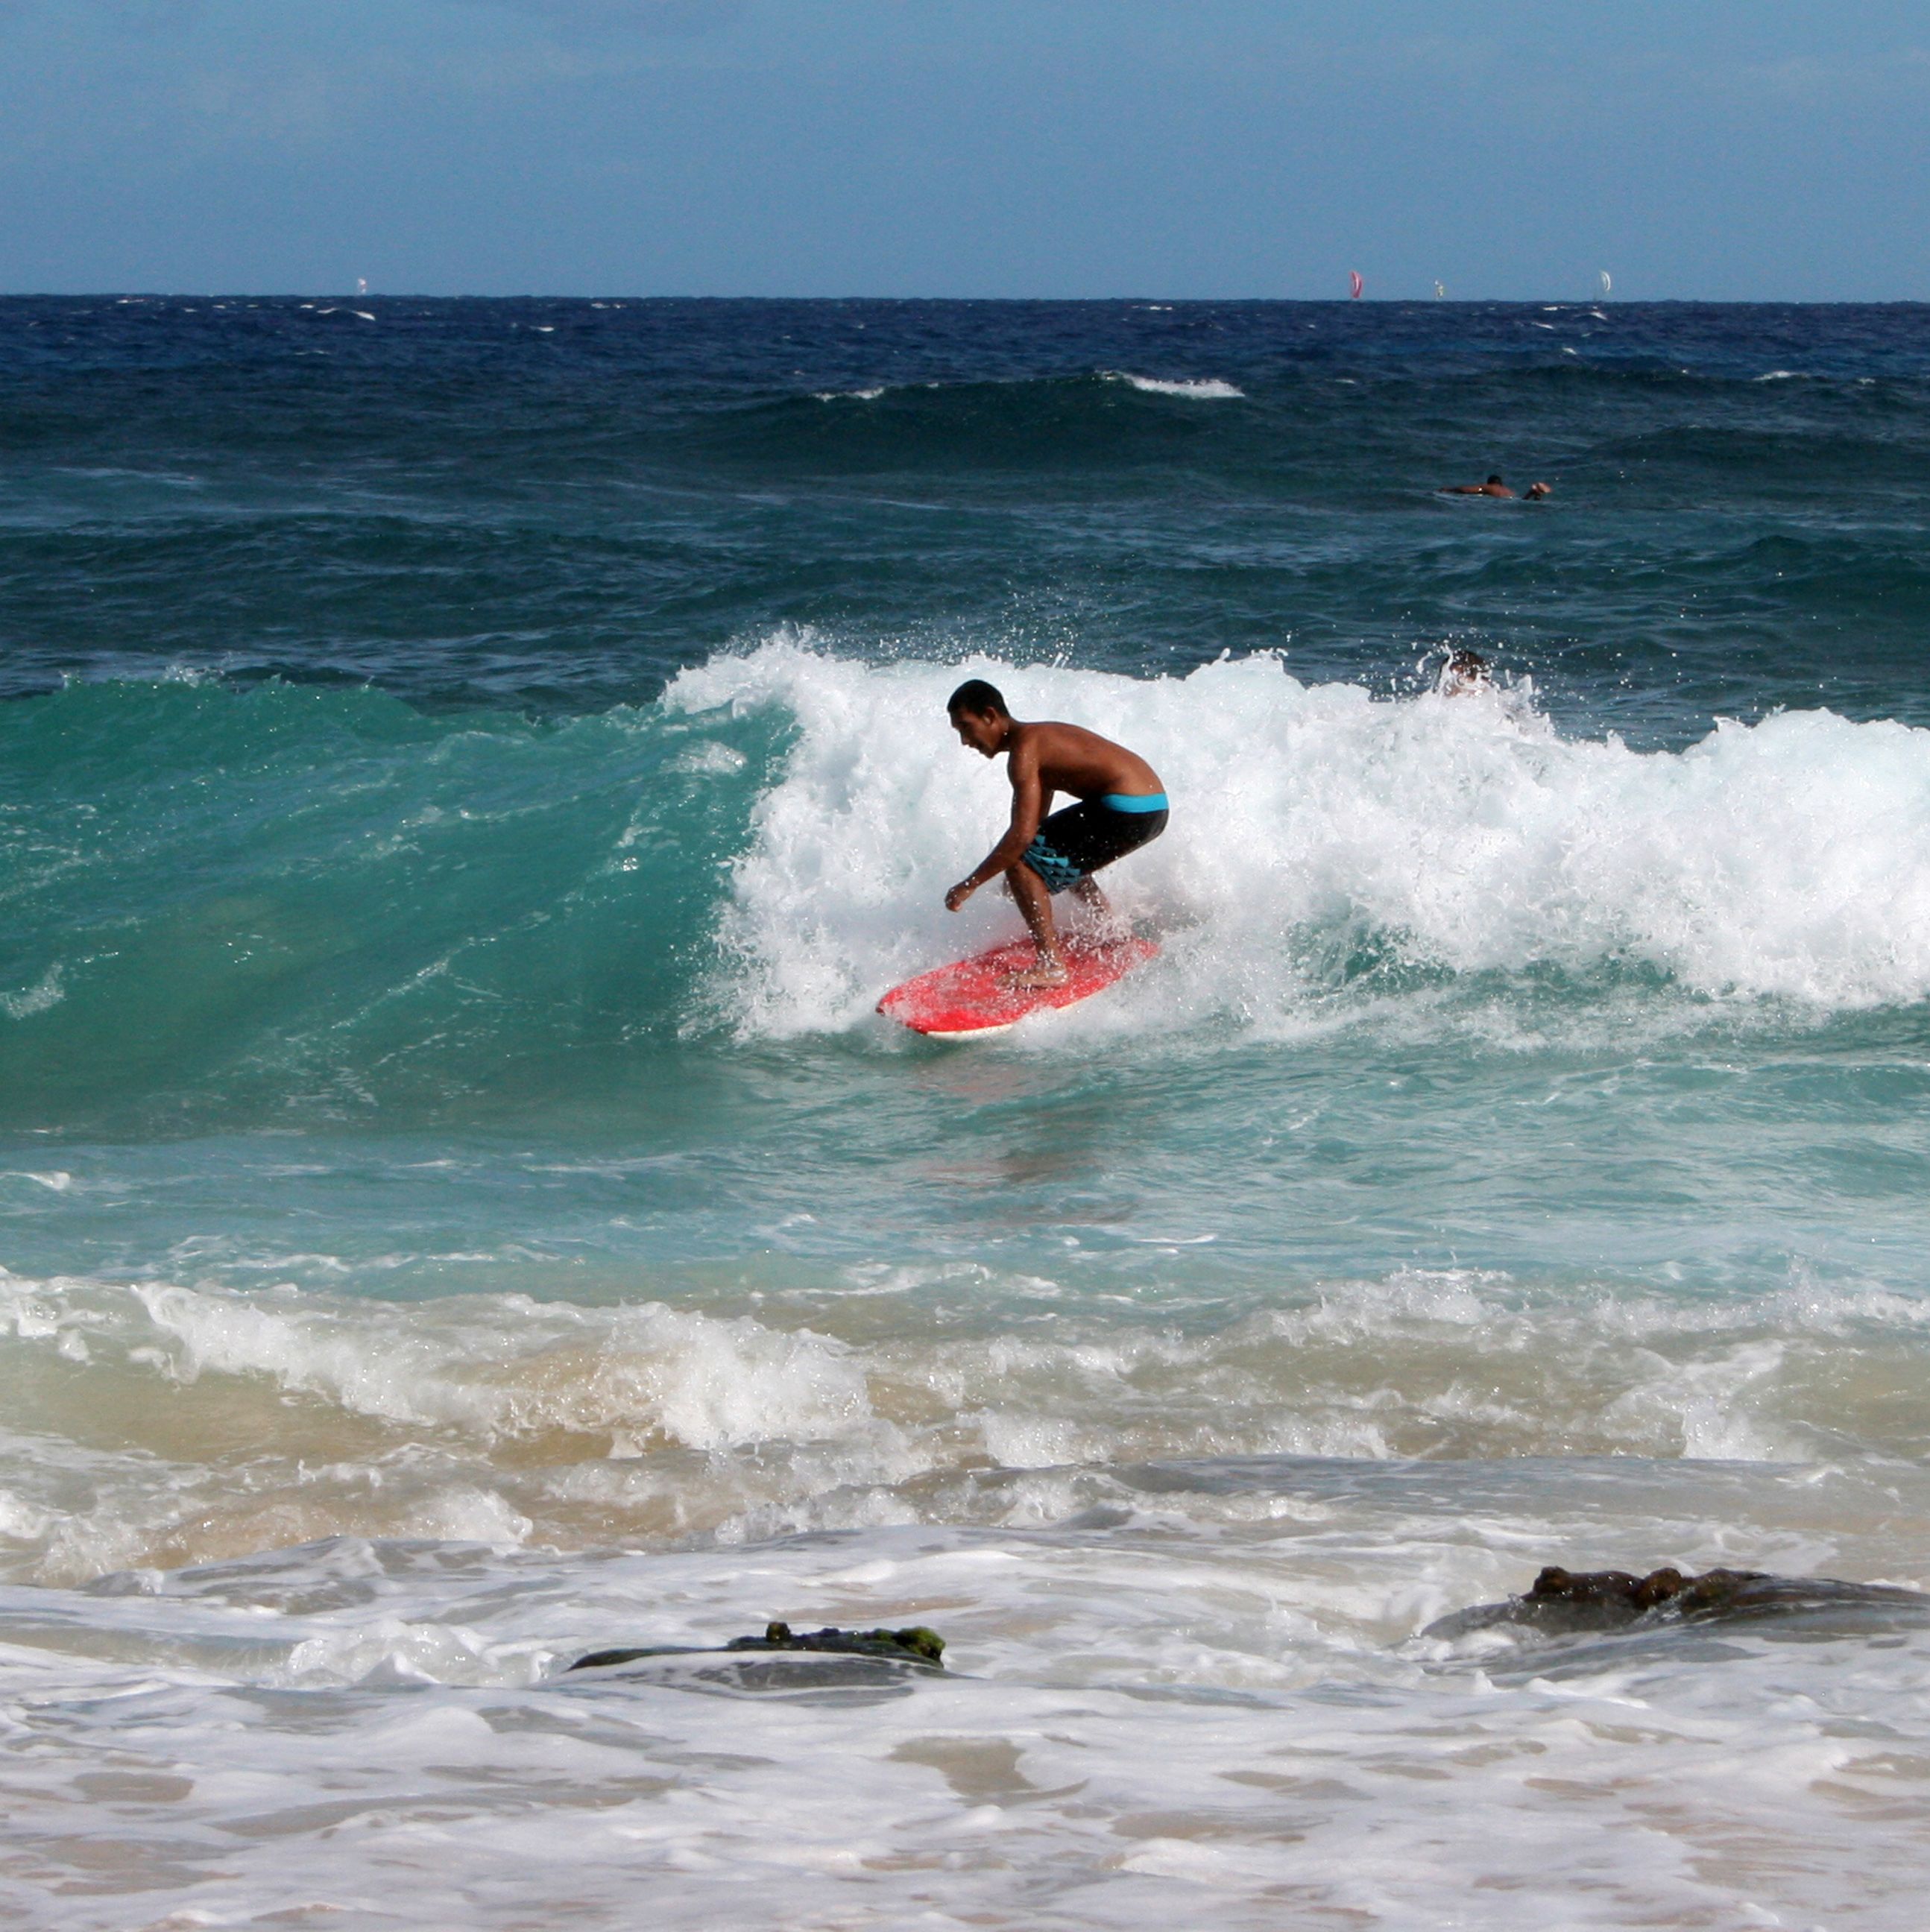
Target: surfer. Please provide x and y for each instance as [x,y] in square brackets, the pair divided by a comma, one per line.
[1120,808]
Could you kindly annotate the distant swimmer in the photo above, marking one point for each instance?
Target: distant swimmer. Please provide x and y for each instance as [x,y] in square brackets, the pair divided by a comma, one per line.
[1121,807]
[1494,487]
[1465,671]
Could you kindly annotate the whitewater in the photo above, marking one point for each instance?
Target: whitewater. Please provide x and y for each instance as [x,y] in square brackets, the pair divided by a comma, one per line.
[1785,858]
[460,1209]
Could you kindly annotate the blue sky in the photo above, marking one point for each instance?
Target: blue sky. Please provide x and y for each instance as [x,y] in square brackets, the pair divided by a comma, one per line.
[1724,149]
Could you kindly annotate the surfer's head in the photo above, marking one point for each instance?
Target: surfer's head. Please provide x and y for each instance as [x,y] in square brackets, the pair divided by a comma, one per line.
[1496,479]
[978,715]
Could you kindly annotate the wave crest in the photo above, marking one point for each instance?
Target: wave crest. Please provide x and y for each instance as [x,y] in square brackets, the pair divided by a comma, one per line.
[1460,835]
[1204,389]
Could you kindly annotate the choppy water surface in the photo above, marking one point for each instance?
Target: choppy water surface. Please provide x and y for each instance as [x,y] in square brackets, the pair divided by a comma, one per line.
[470,769]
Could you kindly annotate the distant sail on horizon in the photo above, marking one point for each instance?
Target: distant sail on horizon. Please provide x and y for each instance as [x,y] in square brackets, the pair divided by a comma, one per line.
[1440,292]
[1355,284]
[1607,285]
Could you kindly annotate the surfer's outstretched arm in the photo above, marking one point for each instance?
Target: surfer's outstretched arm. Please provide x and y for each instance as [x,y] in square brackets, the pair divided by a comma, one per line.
[1029,799]
[1028,804]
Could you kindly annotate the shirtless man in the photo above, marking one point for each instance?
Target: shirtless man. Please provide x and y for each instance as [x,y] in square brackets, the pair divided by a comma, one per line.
[1121,808]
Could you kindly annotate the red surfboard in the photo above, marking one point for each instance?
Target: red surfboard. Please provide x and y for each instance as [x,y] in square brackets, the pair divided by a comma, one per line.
[957,1001]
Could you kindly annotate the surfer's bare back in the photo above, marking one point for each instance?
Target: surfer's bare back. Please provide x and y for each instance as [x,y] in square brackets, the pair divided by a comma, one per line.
[1120,808]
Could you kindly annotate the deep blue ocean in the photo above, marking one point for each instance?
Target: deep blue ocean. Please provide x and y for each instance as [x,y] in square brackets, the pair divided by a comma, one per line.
[468,770]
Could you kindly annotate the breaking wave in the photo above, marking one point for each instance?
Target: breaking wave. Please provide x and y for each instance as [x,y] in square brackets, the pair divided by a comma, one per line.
[1460,835]
[160,1424]
[244,896]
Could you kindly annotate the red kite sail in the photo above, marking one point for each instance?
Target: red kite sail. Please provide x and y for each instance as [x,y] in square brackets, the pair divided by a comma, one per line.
[1355,284]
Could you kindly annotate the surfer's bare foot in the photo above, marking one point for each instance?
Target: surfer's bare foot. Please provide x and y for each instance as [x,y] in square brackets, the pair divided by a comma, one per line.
[1035,979]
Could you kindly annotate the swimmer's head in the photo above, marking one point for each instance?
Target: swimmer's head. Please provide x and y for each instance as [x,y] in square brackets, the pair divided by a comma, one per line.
[1496,479]
[1465,671]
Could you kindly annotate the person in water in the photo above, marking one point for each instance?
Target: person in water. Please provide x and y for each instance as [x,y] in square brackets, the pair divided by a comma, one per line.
[1465,671]
[1494,487]
[1120,808]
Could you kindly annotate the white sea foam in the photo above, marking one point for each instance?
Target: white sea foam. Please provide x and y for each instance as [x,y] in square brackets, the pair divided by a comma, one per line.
[710,759]
[20,1519]
[1145,1722]
[1199,389]
[1789,859]
[164,1424]
[1192,1678]
[649,1373]
[46,991]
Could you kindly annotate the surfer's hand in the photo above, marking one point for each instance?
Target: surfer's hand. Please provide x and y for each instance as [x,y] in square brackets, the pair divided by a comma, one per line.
[959,894]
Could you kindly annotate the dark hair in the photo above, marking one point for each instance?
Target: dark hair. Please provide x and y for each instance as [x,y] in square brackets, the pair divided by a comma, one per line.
[1496,479]
[980,699]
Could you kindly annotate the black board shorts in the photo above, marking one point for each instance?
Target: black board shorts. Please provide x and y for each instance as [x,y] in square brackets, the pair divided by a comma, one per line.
[1073,844]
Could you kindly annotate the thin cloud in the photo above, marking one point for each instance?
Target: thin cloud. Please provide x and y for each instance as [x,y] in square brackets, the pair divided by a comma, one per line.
[652,16]
[143,18]
[655,16]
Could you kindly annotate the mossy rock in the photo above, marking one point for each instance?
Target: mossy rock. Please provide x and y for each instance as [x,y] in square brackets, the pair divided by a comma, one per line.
[1569,1602]
[914,1645]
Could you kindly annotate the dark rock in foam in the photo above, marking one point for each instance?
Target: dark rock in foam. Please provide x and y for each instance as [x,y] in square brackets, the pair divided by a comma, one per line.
[913,1645]
[1563,1602]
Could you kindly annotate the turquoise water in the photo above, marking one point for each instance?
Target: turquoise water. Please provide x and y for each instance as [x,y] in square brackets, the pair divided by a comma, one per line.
[470,770]
[586,978]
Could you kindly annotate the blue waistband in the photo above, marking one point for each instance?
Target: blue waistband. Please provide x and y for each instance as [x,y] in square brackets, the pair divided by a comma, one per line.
[1123,801]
